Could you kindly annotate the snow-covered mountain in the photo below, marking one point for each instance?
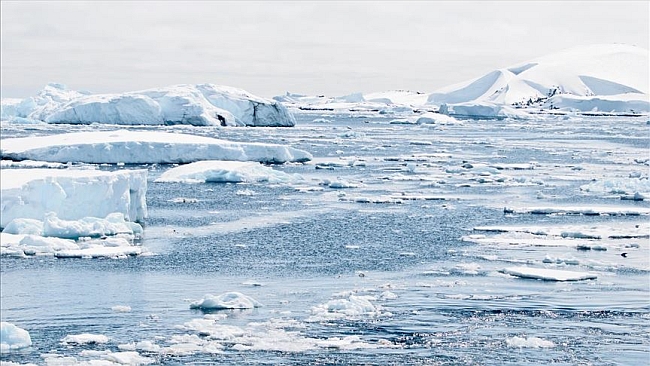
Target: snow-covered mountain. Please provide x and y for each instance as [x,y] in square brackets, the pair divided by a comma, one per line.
[605,78]
[201,105]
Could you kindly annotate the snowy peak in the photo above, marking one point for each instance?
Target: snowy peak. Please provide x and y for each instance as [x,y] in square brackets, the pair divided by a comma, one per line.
[582,72]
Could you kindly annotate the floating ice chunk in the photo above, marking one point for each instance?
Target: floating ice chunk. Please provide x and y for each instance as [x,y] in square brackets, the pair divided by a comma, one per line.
[340,184]
[229,300]
[621,186]
[529,342]
[144,147]
[121,308]
[548,274]
[217,171]
[436,118]
[13,337]
[85,338]
[72,194]
[127,358]
[122,250]
[352,307]
[245,192]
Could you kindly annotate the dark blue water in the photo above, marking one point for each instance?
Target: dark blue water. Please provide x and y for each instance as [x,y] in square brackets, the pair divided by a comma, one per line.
[437,298]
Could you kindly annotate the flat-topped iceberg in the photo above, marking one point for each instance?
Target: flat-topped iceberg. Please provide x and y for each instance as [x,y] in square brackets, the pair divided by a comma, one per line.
[140,147]
[548,274]
[217,171]
[199,105]
[71,194]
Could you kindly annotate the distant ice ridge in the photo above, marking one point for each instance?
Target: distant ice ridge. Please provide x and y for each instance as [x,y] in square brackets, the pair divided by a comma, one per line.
[593,80]
[610,78]
[13,337]
[200,105]
[72,195]
[218,171]
[140,147]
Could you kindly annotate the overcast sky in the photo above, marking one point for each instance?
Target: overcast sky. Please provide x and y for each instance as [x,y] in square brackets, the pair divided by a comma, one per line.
[268,48]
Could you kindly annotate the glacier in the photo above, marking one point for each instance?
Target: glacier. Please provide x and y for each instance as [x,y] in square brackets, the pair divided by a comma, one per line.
[143,147]
[199,105]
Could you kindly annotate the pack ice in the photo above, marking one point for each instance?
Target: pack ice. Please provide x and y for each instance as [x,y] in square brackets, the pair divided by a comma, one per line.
[199,105]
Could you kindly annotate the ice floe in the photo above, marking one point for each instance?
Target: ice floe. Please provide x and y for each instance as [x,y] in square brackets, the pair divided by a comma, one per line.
[529,342]
[73,195]
[143,147]
[548,274]
[29,245]
[228,300]
[218,171]
[84,338]
[13,337]
[353,306]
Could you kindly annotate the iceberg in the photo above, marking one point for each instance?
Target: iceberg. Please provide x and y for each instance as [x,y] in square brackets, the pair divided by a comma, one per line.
[217,171]
[199,105]
[143,147]
[71,195]
[13,337]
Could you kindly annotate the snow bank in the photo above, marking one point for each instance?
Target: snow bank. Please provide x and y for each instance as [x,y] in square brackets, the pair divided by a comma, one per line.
[548,274]
[13,337]
[229,300]
[216,171]
[139,147]
[201,105]
[72,195]
[609,77]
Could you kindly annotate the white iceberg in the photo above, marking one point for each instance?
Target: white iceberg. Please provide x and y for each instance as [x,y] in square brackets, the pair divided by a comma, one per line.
[13,337]
[139,147]
[72,194]
[218,171]
[229,300]
[200,105]
[548,274]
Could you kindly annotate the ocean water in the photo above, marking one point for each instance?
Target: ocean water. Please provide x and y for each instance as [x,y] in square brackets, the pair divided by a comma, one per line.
[395,271]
